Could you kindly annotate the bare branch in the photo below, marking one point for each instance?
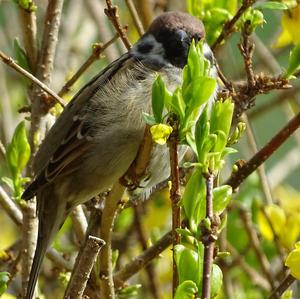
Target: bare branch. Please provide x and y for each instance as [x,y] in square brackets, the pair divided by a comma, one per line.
[284,285]
[262,259]
[228,27]
[208,238]
[174,194]
[135,16]
[112,12]
[142,260]
[10,207]
[262,155]
[28,19]
[83,267]
[10,62]
[112,204]
[29,234]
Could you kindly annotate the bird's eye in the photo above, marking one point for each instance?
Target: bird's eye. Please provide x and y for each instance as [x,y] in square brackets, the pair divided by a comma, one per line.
[197,38]
[182,35]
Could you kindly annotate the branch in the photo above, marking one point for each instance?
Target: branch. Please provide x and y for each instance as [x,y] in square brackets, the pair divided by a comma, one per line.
[112,203]
[28,19]
[112,13]
[10,62]
[142,260]
[83,267]
[254,241]
[10,207]
[174,194]
[150,270]
[284,285]
[261,156]
[228,27]
[239,259]
[247,48]
[79,223]
[29,235]
[135,17]
[209,236]
[39,104]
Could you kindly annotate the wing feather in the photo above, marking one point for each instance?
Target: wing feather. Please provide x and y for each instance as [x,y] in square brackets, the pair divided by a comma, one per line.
[69,138]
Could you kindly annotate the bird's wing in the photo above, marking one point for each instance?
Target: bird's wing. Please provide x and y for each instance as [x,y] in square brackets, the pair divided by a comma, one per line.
[68,139]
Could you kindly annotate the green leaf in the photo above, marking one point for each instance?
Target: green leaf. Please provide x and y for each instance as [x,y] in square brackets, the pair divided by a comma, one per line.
[158,95]
[21,56]
[221,141]
[18,151]
[26,4]
[193,195]
[294,62]
[4,278]
[188,264]
[186,290]
[221,116]
[221,197]
[271,5]
[202,130]
[148,119]
[177,104]
[216,282]
[184,232]
[129,292]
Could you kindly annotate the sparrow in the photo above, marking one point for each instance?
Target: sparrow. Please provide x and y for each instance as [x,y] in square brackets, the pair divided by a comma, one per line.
[97,136]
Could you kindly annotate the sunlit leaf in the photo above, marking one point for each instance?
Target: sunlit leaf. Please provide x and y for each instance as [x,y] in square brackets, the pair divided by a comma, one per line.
[186,290]
[293,261]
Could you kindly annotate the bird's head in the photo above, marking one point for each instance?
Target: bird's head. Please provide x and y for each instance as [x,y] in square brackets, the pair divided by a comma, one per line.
[168,39]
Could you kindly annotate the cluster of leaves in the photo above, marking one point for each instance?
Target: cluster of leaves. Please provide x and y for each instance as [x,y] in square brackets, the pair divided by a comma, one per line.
[205,127]
[17,156]
[214,13]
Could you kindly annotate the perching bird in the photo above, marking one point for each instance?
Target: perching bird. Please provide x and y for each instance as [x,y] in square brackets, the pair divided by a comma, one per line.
[98,134]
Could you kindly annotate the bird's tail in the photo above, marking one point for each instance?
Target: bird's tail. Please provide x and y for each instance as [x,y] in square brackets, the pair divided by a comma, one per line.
[51,214]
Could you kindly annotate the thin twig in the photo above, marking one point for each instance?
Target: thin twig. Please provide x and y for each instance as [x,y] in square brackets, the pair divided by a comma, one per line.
[284,285]
[280,99]
[261,170]
[208,239]
[98,49]
[228,27]
[146,9]
[262,155]
[254,275]
[142,260]
[112,204]
[83,267]
[175,194]
[135,16]
[10,62]
[79,223]
[254,241]
[112,12]
[40,104]
[10,207]
[247,48]
[152,278]
[28,19]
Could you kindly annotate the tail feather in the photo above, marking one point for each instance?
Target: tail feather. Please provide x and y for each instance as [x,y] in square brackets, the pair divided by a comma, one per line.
[51,213]
[36,267]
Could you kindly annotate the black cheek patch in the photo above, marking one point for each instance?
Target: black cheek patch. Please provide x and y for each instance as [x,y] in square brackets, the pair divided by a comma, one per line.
[145,48]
